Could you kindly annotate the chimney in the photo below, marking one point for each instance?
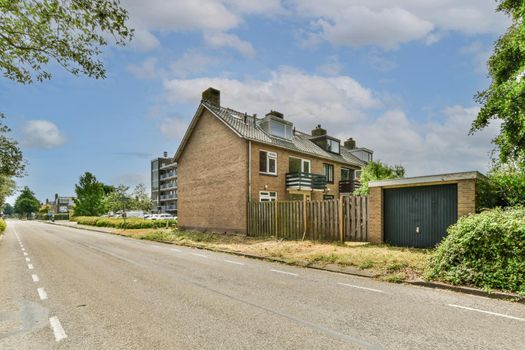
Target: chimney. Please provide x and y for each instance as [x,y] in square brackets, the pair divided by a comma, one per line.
[165,154]
[212,96]
[318,131]
[350,144]
[276,114]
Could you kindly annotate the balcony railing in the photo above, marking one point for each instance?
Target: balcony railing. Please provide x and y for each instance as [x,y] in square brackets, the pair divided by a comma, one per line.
[168,186]
[168,197]
[348,186]
[166,208]
[167,166]
[305,181]
[168,175]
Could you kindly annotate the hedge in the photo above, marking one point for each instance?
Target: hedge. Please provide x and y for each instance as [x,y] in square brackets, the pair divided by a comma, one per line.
[57,217]
[3,226]
[485,250]
[129,223]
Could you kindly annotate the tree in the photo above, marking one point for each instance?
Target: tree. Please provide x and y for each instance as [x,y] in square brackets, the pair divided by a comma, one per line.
[90,196]
[68,32]
[140,198]
[11,160]
[377,171]
[26,203]
[506,186]
[7,188]
[118,199]
[505,97]
[8,209]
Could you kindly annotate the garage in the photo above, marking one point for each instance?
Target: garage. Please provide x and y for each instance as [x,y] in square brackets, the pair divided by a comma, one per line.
[419,216]
[416,211]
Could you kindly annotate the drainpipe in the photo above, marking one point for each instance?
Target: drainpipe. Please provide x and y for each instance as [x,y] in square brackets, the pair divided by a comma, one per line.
[249,184]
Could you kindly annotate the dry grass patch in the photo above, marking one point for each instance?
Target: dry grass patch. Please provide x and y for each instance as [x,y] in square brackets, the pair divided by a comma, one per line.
[389,263]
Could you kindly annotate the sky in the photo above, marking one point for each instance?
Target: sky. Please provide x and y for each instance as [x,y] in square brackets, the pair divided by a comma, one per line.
[397,76]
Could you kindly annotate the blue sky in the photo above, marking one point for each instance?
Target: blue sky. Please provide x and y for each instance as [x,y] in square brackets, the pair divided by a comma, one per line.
[398,76]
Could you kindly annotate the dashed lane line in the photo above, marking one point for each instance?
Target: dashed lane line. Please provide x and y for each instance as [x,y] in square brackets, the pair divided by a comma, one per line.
[28,260]
[285,272]
[30,266]
[359,287]
[35,278]
[42,293]
[58,331]
[234,262]
[487,312]
[201,255]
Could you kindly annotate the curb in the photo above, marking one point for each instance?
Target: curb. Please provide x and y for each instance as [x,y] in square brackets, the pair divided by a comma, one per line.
[420,283]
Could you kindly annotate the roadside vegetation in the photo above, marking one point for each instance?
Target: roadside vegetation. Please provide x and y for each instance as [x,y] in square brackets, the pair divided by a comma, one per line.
[121,223]
[3,226]
[485,250]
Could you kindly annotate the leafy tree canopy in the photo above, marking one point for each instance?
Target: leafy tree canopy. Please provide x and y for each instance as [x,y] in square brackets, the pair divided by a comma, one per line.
[90,196]
[68,32]
[26,203]
[7,188]
[505,97]
[377,171]
[11,160]
[8,209]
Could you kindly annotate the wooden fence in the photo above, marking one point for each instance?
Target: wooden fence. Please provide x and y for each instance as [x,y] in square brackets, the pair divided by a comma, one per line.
[343,219]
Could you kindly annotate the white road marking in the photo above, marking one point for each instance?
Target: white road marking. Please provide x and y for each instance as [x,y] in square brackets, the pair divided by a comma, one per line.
[176,250]
[23,249]
[28,260]
[201,255]
[359,287]
[285,272]
[58,331]
[234,262]
[25,254]
[487,312]
[35,278]
[42,293]
[30,266]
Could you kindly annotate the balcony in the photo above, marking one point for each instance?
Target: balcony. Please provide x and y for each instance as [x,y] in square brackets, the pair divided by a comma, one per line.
[168,197]
[348,186]
[169,175]
[305,181]
[168,166]
[168,208]
[168,186]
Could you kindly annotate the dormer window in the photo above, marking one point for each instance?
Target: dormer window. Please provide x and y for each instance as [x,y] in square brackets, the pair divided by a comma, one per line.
[333,146]
[280,129]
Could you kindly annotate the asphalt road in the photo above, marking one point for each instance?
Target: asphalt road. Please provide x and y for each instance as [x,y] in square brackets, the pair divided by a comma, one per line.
[64,288]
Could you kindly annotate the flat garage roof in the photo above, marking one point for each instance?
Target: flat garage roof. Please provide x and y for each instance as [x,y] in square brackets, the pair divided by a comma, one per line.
[468,175]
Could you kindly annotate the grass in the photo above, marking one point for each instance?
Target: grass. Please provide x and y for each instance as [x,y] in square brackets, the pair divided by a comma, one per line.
[391,264]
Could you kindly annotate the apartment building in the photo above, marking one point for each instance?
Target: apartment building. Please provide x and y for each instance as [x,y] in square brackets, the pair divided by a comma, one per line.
[228,158]
[164,185]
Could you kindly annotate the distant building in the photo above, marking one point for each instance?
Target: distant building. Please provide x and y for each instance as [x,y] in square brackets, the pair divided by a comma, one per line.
[164,185]
[61,204]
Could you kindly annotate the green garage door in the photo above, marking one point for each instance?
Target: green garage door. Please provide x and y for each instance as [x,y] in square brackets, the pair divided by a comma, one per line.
[419,216]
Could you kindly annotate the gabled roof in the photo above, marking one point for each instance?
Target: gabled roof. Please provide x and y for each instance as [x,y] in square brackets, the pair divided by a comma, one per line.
[248,127]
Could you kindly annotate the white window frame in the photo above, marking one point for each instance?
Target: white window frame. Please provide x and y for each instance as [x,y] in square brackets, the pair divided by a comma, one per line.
[267,196]
[269,155]
[302,164]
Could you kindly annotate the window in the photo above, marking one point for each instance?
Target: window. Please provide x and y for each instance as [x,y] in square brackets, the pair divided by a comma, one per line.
[347,174]
[265,196]
[358,174]
[298,165]
[329,173]
[268,162]
[280,129]
[332,146]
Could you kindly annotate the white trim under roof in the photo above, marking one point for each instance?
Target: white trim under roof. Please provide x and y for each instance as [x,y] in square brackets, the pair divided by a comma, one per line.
[469,175]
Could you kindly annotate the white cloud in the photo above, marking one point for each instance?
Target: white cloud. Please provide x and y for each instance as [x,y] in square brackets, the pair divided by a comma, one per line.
[378,22]
[219,40]
[173,128]
[347,109]
[145,70]
[41,134]
[191,62]
[304,98]
[480,56]
[144,40]
[332,67]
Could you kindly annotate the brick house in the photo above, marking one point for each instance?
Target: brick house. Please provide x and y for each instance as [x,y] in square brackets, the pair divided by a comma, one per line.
[228,158]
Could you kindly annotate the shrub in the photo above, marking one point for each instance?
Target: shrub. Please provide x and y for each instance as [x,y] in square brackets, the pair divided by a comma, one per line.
[3,226]
[129,223]
[485,250]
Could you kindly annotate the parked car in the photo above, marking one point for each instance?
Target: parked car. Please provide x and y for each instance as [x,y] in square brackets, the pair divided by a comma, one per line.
[162,216]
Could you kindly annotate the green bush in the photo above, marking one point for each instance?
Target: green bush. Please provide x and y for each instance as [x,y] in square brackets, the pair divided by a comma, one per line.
[63,216]
[3,226]
[485,250]
[130,223]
